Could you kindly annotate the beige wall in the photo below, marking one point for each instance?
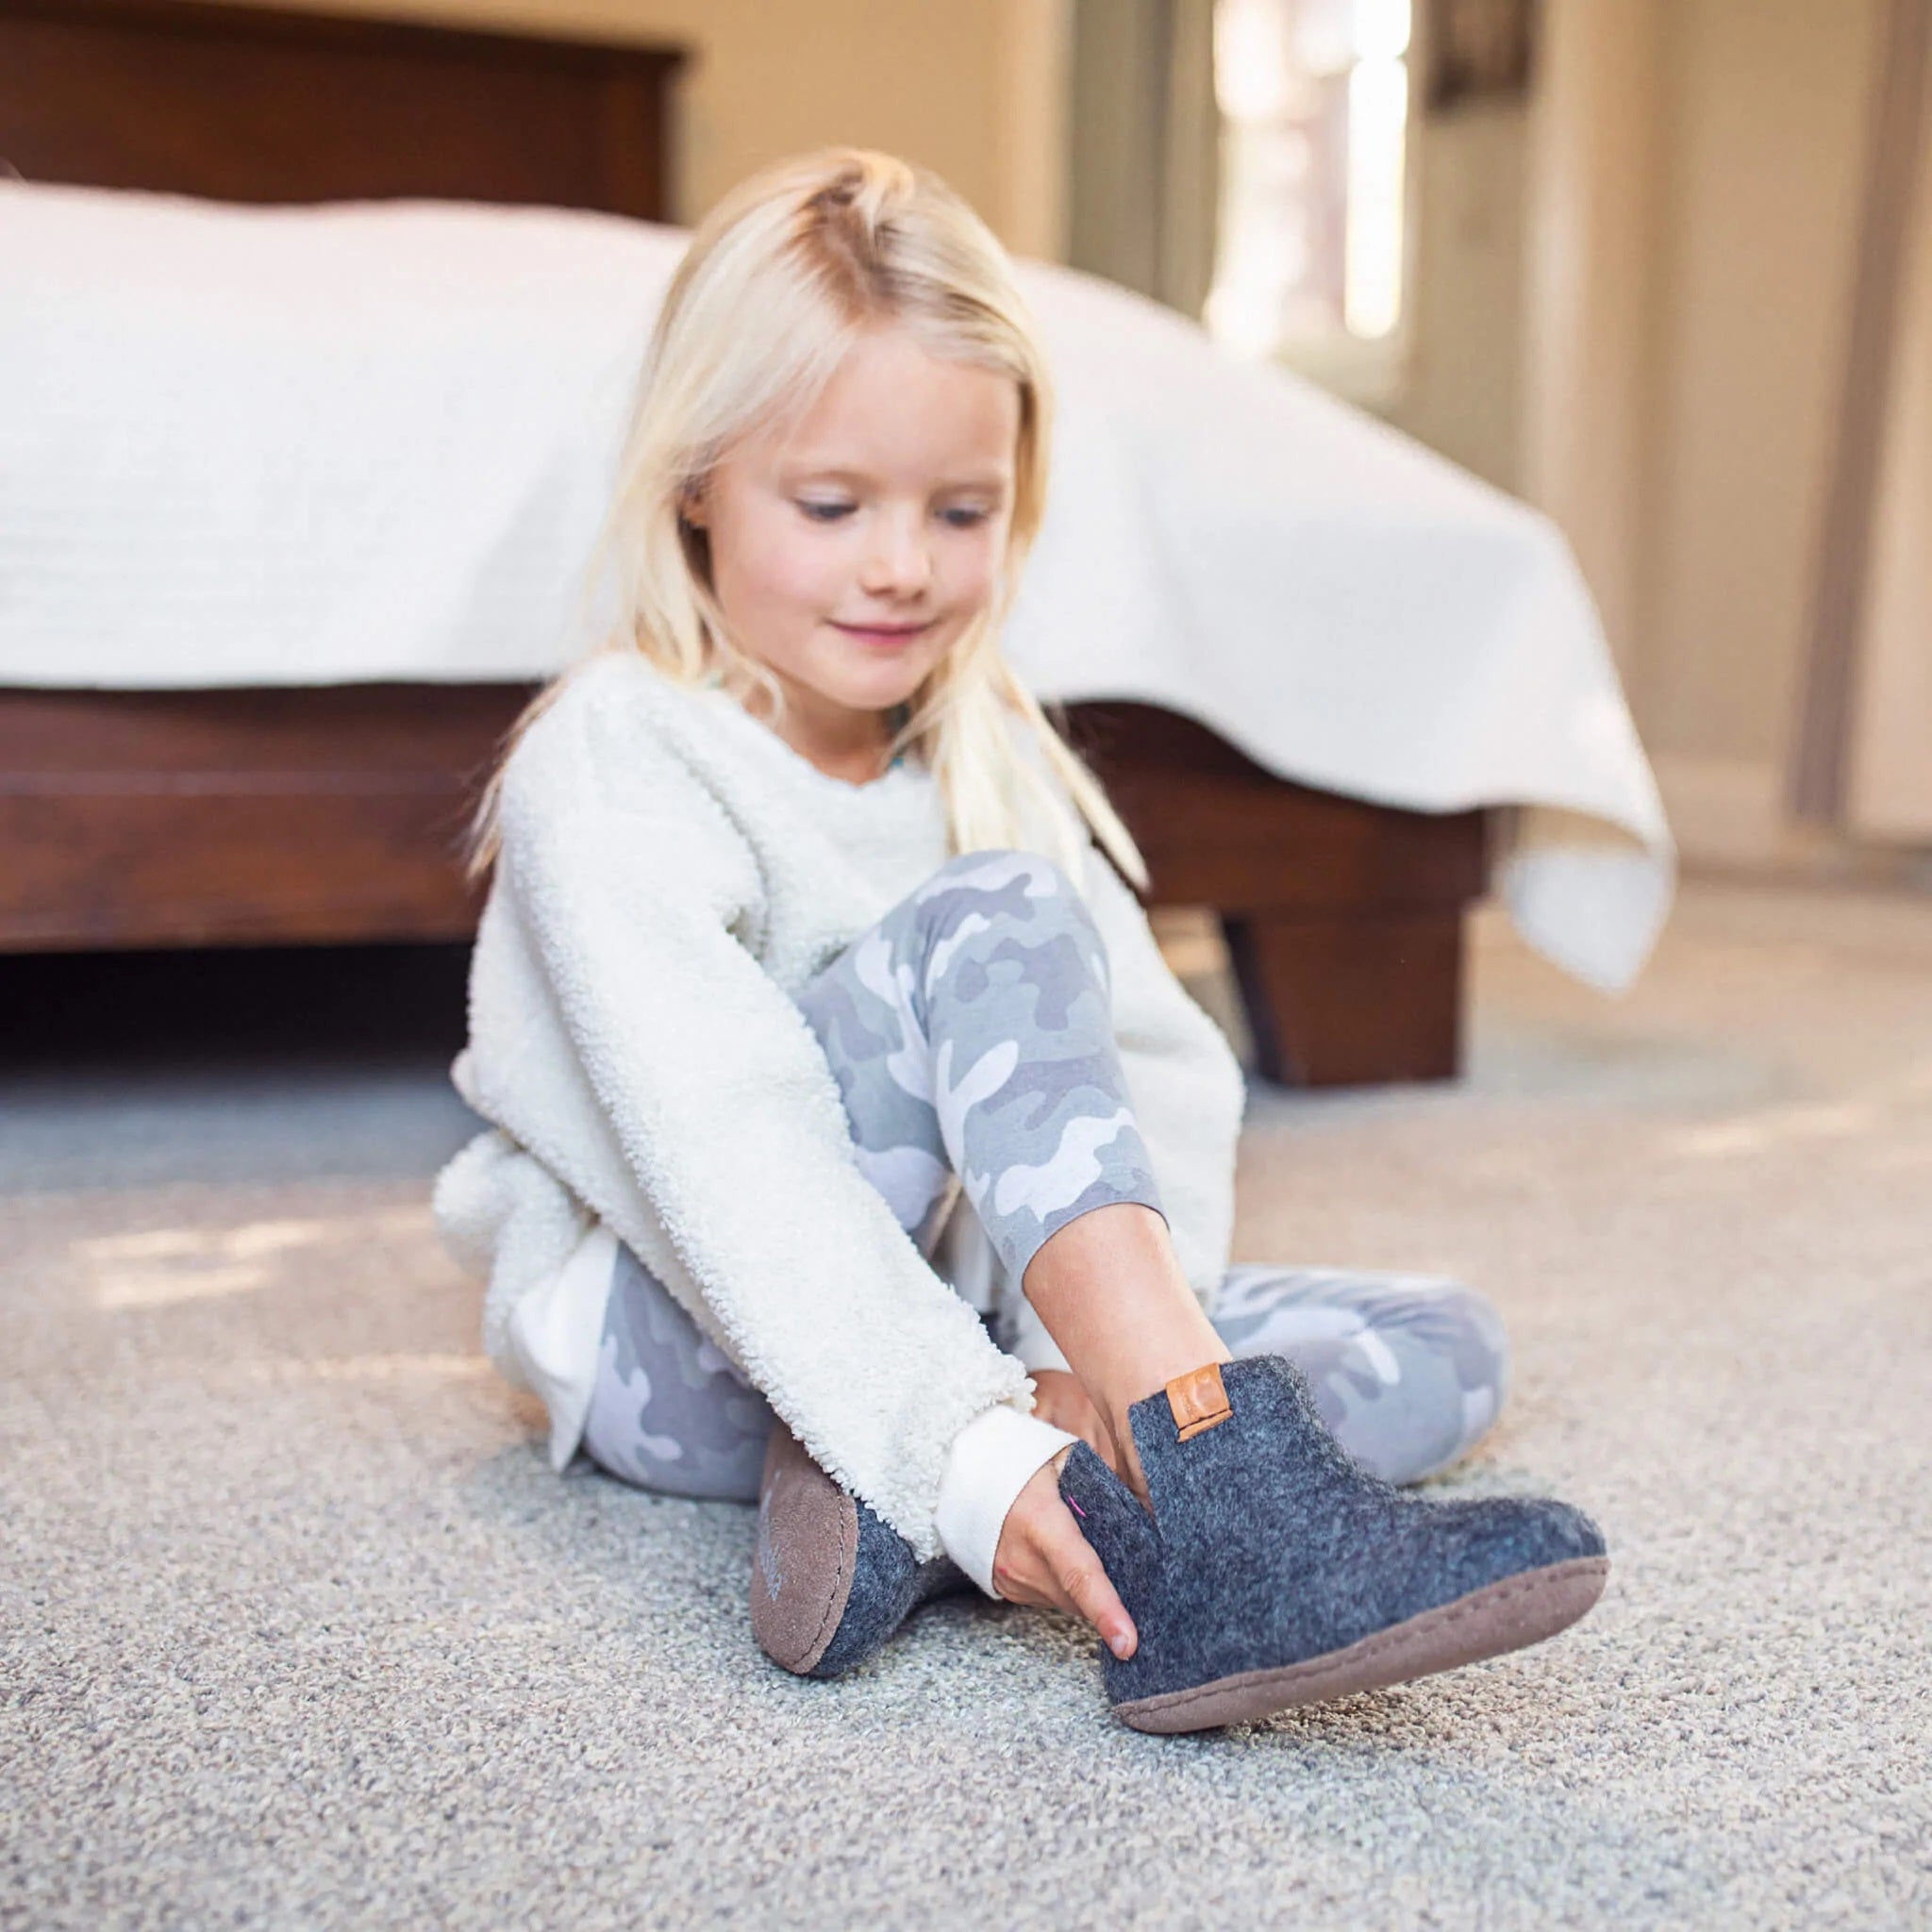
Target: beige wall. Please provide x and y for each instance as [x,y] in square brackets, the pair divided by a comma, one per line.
[1631,297]
[1463,388]
[1890,789]
[1592,189]
[1763,158]
[972,89]
[1696,194]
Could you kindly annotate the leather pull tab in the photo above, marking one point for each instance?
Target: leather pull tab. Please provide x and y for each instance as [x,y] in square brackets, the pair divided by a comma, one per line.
[1197,1400]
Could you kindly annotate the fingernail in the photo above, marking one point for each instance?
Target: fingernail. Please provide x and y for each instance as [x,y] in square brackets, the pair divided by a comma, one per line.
[1122,1644]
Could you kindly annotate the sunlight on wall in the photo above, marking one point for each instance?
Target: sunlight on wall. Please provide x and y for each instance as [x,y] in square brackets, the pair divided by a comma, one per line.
[1315,95]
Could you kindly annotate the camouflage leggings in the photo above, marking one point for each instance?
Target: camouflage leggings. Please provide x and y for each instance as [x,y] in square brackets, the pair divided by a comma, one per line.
[969,1033]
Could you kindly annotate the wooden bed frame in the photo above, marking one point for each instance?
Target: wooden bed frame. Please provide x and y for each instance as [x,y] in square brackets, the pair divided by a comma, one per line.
[332,813]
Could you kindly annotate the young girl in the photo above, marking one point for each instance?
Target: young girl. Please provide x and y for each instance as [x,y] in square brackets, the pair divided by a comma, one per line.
[852,1148]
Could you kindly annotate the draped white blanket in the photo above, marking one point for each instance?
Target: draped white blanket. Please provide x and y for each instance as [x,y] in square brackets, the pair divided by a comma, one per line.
[373,441]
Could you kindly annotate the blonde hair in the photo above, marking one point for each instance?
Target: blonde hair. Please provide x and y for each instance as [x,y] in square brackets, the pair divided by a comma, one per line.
[780,278]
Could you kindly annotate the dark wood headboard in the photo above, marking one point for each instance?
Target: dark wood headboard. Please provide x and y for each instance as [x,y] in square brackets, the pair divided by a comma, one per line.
[249,104]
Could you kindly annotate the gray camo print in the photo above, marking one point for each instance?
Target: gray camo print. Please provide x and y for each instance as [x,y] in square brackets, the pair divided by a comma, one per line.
[1409,1370]
[668,1412]
[969,1031]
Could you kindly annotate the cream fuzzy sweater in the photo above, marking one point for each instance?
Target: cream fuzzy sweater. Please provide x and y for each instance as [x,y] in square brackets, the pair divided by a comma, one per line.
[671,873]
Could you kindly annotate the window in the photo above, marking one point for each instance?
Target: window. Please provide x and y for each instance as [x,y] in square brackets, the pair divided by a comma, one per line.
[1311,264]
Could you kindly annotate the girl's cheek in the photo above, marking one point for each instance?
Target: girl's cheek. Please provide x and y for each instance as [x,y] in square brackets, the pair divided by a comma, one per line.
[803,572]
[772,570]
[975,574]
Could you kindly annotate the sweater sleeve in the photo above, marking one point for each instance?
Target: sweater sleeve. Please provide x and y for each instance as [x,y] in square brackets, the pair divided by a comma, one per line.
[635,889]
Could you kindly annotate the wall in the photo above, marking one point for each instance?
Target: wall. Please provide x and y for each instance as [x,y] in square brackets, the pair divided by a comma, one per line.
[972,89]
[1888,794]
[1463,388]
[1593,185]
[1632,296]
[1695,189]
[1763,161]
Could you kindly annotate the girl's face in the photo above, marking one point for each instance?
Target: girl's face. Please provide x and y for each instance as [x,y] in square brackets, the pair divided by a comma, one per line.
[851,547]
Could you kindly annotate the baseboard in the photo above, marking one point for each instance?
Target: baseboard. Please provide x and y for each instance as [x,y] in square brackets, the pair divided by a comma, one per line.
[1729,816]
[1726,811]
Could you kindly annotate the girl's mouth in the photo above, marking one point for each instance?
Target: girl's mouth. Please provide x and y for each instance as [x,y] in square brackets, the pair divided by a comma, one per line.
[883,637]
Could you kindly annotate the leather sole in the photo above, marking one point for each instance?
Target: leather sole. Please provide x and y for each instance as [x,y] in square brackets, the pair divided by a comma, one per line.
[1505,1616]
[808,1547]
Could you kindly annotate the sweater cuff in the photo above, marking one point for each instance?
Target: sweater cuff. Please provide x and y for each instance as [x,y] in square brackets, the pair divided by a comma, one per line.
[992,1459]
[552,1338]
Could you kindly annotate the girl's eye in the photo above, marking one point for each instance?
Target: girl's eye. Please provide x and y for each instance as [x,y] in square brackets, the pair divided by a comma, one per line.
[959,518]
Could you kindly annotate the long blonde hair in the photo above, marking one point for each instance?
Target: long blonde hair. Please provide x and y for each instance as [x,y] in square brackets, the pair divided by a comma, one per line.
[780,277]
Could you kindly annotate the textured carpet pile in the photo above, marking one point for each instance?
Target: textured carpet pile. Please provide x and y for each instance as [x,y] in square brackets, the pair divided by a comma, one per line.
[297,1628]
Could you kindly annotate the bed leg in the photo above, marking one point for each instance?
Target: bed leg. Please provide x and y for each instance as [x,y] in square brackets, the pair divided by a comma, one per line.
[1353,998]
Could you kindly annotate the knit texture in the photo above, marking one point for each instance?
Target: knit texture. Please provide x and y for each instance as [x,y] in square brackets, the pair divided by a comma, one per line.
[889,1583]
[672,874]
[1269,1545]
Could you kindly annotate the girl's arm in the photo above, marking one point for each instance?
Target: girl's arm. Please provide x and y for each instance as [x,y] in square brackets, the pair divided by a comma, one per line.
[632,1041]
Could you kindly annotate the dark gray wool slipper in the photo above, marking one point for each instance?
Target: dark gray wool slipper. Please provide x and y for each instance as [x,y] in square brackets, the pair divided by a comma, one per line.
[830,1580]
[1276,1571]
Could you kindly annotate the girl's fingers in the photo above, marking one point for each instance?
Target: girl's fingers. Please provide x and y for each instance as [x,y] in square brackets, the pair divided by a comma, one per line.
[1042,1558]
[1084,1590]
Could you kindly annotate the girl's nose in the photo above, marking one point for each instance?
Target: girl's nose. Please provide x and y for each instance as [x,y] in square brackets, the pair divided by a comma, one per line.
[897,558]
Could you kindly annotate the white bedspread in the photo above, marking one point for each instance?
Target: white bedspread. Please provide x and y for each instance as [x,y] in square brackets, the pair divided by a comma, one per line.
[373,441]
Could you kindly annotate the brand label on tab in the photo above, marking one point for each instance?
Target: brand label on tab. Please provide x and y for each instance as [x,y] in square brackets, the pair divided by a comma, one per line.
[1197,1400]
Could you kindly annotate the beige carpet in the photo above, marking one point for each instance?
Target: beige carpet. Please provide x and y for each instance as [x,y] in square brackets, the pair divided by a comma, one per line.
[297,1628]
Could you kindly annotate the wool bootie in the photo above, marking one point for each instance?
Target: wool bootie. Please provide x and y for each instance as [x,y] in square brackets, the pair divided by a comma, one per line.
[1276,1571]
[830,1580]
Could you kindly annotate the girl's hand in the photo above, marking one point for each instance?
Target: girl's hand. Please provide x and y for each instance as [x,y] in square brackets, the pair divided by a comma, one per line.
[1059,1398]
[1042,1558]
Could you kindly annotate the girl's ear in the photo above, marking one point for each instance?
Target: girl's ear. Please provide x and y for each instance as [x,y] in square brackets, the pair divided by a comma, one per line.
[690,505]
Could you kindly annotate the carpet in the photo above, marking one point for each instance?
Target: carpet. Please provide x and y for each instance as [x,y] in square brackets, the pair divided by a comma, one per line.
[298,1629]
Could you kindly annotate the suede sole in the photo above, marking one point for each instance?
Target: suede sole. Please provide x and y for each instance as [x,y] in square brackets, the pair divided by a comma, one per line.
[1505,1616]
[807,1548]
